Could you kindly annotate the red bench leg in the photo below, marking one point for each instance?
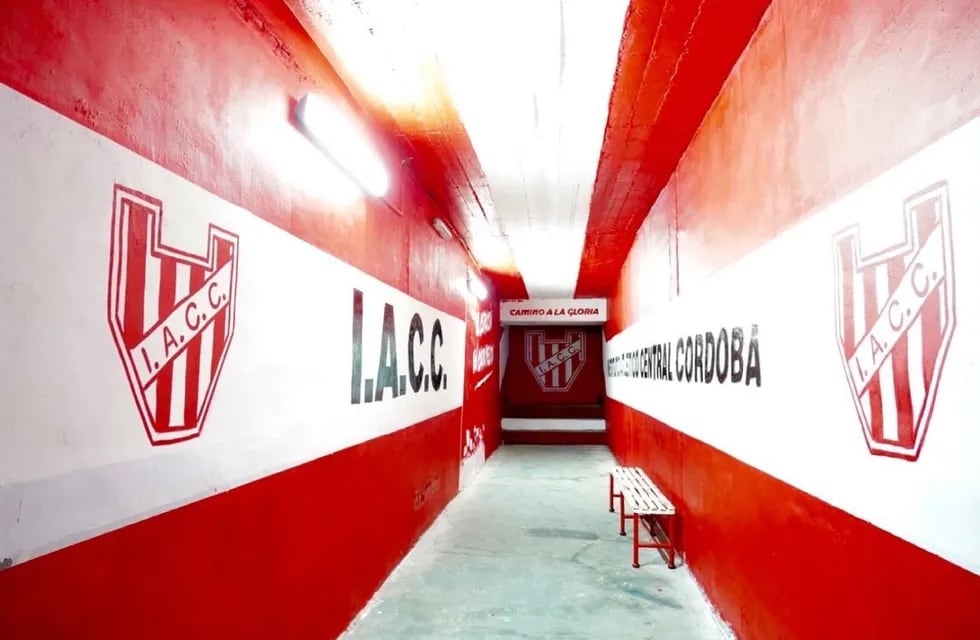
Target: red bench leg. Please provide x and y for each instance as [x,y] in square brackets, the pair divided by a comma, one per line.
[672,525]
[622,516]
[611,509]
[636,541]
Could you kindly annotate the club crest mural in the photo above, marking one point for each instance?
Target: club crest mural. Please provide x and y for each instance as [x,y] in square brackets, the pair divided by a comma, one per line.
[172,316]
[895,320]
[555,362]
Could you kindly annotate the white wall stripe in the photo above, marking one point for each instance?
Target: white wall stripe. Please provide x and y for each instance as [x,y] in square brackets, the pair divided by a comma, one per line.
[75,459]
[801,424]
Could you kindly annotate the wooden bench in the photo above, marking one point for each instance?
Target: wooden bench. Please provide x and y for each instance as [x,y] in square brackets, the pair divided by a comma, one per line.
[645,500]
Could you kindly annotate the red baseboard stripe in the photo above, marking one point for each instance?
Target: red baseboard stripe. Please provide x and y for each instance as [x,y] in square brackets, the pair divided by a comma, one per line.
[293,555]
[779,563]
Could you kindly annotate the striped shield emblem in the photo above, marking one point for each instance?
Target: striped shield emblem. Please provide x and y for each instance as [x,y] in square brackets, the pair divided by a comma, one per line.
[555,362]
[895,319]
[172,316]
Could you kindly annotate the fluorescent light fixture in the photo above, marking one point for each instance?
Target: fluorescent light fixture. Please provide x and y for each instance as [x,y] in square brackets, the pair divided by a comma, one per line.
[477,287]
[285,149]
[342,138]
[491,251]
[471,286]
[442,229]
[460,284]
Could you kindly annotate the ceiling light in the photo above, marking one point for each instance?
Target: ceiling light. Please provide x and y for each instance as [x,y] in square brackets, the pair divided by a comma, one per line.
[342,138]
[477,287]
[442,229]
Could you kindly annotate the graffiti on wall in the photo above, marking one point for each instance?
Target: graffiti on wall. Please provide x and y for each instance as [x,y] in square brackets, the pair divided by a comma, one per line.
[480,395]
[473,455]
[482,357]
[473,441]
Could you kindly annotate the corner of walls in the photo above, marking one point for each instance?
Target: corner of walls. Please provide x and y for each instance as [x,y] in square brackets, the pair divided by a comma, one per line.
[481,429]
[649,277]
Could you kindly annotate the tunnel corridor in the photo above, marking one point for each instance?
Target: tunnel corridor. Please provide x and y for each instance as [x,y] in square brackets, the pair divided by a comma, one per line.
[345,318]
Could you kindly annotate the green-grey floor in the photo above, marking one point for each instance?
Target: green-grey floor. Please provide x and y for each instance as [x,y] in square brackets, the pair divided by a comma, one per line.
[530,550]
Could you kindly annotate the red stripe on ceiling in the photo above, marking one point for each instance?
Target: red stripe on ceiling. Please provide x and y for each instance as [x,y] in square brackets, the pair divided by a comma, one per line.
[673,60]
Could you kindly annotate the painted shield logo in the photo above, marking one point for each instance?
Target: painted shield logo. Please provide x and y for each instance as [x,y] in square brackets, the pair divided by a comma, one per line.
[895,319]
[172,316]
[555,363]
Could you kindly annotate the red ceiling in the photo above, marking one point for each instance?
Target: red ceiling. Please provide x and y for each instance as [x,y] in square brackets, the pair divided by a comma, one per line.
[673,59]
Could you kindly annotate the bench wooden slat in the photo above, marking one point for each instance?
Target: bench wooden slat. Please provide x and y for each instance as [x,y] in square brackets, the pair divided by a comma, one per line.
[644,497]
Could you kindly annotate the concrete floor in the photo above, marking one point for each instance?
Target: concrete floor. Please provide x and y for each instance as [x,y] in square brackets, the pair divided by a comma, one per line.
[530,550]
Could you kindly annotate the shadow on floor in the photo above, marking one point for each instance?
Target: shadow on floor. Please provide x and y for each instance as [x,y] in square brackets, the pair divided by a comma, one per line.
[530,550]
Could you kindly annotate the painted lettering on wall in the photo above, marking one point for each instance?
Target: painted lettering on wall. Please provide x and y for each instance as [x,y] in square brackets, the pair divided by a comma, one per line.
[553,311]
[726,356]
[424,493]
[484,323]
[423,371]
[483,355]
[569,311]
[482,358]
[473,441]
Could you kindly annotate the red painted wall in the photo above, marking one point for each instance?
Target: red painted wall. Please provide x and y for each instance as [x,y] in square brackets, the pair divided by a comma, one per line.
[778,563]
[523,396]
[826,96]
[194,86]
[296,554]
[481,400]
